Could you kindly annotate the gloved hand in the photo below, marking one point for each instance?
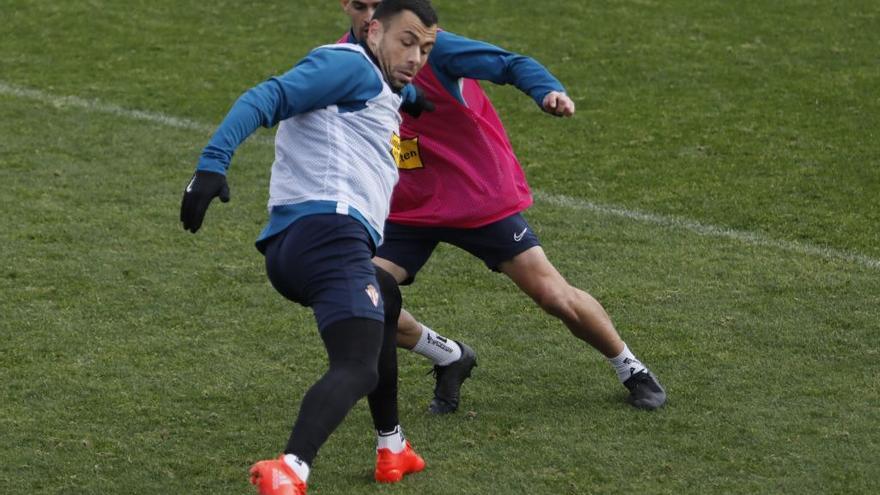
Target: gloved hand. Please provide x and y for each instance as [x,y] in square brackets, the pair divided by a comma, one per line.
[416,106]
[203,188]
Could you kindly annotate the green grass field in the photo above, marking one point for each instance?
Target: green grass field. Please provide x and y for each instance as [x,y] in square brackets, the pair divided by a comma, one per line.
[718,191]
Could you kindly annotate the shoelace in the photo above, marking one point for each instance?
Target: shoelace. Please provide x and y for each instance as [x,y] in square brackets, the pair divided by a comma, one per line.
[438,372]
[644,379]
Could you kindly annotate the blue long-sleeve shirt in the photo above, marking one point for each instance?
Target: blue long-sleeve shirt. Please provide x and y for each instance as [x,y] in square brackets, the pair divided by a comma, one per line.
[337,119]
[455,57]
[324,77]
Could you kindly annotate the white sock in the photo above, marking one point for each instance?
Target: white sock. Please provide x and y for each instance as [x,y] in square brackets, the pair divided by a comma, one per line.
[299,467]
[392,440]
[437,348]
[626,364]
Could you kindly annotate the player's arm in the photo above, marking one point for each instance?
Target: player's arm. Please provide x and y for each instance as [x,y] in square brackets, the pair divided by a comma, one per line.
[458,57]
[325,77]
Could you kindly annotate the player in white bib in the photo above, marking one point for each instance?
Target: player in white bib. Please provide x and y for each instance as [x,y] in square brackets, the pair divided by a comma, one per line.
[329,195]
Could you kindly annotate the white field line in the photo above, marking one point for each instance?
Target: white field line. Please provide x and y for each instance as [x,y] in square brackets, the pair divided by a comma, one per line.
[705,230]
[98,106]
[708,230]
[101,107]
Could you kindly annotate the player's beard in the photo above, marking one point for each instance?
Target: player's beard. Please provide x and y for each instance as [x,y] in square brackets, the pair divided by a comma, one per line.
[387,69]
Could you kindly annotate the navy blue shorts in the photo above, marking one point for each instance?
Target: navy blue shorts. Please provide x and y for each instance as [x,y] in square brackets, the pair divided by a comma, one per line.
[410,247]
[324,262]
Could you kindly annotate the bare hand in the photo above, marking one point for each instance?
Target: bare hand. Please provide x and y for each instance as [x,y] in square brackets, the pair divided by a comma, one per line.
[558,104]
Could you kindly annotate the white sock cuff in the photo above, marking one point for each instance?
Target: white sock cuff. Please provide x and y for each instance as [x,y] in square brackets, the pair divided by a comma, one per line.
[624,354]
[437,348]
[298,465]
[392,440]
[626,364]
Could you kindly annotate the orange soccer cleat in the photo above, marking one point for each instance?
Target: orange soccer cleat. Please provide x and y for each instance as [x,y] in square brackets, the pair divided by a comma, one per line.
[274,477]
[391,467]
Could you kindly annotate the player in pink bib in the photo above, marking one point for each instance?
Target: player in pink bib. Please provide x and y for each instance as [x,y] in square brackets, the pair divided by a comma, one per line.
[461,183]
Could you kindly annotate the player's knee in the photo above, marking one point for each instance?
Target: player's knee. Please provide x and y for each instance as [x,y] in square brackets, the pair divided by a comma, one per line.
[369,378]
[557,301]
[358,377]
[390,293]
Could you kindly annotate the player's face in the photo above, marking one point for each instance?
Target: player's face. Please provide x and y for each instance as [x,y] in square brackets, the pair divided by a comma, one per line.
[401,45]
[360,12]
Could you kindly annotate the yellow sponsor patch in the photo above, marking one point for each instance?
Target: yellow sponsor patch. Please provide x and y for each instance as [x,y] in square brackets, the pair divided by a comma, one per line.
[406,152]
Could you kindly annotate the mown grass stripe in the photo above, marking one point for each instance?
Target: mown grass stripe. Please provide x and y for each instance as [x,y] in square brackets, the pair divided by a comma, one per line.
[693,226]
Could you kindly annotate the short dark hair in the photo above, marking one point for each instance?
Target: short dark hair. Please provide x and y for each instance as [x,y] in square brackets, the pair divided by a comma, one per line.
[421,8]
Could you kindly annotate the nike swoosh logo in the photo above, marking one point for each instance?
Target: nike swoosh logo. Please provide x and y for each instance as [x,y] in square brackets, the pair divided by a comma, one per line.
[189,187]
[518,237]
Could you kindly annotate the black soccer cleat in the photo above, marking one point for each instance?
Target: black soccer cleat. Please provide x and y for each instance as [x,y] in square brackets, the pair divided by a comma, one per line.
[645,391]
[447,389]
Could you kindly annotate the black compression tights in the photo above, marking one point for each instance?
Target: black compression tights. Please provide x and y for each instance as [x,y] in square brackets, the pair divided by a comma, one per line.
[363,360]
[383,399]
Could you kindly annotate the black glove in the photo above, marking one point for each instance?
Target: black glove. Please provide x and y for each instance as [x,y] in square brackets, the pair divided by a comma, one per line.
[204,187]
[415,108]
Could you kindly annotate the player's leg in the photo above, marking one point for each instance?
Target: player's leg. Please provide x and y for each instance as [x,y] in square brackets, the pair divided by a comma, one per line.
[409,331]
[404,251]
[353,353]
[533,273]
[337,279]
[395,456]
[383,399]
[352,348]
[587,320]
[510,246]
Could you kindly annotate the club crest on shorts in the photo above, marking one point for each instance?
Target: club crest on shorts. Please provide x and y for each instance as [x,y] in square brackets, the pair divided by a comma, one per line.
[373,294]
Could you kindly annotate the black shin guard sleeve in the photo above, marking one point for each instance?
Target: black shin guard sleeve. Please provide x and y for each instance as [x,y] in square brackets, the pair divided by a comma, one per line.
[383,400]
[353,348]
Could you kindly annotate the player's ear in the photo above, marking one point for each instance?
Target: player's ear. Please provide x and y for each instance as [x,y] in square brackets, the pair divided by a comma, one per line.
[377,27]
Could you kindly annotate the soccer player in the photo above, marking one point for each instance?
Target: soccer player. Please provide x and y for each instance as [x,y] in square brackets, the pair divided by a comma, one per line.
[460,183]
[329,195]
